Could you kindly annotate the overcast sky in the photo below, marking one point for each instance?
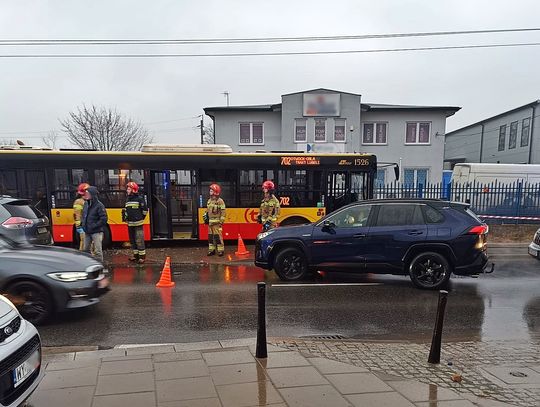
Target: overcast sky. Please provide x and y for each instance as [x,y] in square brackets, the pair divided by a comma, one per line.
[34,93]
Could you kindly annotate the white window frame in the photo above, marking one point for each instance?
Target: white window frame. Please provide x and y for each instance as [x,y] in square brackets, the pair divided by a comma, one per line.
[251,143]
[294,132]
[375,125]
[325,130]
[417,143]
[336,120]
[416,169]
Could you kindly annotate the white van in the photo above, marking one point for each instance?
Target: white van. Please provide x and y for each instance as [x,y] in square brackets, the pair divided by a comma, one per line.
[483,173]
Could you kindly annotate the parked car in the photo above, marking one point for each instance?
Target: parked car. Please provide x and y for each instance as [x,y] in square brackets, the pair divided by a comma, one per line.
[42,280]
[21,221]
[534,247]
[426,239]
[20,353]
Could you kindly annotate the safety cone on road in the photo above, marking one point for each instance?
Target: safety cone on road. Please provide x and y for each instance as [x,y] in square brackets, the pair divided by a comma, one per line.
[165,280]
[242,251]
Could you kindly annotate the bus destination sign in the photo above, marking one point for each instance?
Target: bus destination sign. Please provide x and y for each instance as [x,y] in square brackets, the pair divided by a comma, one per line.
[300,160]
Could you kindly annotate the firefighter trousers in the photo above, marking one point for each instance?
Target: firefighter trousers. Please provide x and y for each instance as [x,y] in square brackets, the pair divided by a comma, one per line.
[215,238]
[136,239]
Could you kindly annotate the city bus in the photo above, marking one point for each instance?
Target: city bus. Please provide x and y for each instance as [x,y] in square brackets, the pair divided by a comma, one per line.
[175,181]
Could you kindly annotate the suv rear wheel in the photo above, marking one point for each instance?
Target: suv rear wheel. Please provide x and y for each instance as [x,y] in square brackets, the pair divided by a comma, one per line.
[429,270]
[291,264]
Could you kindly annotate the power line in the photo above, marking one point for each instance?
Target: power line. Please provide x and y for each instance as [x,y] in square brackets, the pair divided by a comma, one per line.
[262,54]
[56,42]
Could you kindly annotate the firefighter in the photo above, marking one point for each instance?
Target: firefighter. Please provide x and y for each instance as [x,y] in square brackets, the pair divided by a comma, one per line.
[133,214]
[78,206]
[215,218]
[269,212]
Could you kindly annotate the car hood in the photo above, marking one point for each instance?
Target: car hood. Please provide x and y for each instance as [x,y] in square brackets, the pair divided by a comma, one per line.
[292,231]
[5,308]
[57,258]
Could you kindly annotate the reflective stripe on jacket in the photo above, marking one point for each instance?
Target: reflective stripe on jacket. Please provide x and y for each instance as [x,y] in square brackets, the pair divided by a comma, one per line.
[216,211]
[136,210]
[270,209]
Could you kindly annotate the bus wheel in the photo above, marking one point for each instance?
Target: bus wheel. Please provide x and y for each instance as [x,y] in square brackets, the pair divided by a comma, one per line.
[294,220]
[291,264]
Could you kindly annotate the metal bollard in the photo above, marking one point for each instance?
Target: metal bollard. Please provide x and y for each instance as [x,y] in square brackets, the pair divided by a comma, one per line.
[435,351]
[261,350]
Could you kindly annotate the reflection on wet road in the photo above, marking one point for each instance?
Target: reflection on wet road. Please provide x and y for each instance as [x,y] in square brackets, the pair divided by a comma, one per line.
[212,302]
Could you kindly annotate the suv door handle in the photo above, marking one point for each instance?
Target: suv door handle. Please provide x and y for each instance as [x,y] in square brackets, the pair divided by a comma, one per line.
[415,232]
[359,235]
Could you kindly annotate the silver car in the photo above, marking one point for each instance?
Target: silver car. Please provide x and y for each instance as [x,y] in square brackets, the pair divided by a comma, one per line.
[20,356]
[534,247]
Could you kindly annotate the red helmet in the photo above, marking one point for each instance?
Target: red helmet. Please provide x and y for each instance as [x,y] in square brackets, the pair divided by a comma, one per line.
[216,188]
[81,189]
[269,185]
[133,185]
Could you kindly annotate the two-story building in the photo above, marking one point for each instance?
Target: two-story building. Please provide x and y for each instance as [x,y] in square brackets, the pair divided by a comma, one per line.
[324,120]
[509,137]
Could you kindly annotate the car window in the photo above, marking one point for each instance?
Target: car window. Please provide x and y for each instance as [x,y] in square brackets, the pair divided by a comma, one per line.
[397,215]
[22,209]
[351,217]
[432,215]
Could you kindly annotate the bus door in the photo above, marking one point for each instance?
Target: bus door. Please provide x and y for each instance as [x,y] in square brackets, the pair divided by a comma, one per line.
[160,204]
[183,204]
[338,190]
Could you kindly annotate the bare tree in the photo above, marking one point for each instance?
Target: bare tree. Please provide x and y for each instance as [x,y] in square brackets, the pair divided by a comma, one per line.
[51,139]
[208,134]
[105,129]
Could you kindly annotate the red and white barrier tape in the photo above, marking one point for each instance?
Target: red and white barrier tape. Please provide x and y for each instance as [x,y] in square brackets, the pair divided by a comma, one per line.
[509,217]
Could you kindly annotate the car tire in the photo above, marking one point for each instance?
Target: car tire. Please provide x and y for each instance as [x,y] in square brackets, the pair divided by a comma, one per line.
[291,264]
[38,305]
[430,271]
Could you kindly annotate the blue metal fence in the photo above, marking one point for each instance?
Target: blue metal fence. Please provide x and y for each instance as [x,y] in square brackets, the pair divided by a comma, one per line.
[507,201]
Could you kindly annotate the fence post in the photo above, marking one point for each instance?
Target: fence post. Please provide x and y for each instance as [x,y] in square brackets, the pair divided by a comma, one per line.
[261,350]
[435,351]
[519,199]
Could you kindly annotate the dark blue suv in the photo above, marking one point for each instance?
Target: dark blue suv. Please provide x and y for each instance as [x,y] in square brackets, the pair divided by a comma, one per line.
[426,239]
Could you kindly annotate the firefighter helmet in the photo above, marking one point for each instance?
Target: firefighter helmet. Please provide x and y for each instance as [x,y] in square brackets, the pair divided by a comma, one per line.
[81,189]
[133,185]
[269,185]
[216,188]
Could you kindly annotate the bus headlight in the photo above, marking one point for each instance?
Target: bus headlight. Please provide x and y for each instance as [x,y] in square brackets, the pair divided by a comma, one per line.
[264,234]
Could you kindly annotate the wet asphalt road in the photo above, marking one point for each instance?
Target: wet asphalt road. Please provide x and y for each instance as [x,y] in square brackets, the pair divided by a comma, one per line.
[219,302]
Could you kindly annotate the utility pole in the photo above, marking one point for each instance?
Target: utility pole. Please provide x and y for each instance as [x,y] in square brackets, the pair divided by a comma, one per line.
[226,93]
[202,129]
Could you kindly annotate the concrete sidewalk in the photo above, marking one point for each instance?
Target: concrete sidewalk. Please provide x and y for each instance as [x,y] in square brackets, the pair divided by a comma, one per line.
[226,373]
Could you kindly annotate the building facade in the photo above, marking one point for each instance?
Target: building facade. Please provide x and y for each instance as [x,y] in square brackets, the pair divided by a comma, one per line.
[510,138]
[324,120]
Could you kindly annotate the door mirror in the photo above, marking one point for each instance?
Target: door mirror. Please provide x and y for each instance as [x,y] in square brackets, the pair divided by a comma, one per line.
[328,226]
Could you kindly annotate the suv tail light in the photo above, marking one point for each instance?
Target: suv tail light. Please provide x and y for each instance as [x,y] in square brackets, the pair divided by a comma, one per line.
[478,230]
[17,222]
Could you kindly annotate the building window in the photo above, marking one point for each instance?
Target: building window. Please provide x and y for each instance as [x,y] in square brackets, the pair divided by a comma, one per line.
[300,131]
[512,140]
[339,130]
[320,130]
[502,137]
[380,180]
[374,133]
[525,126]
[418,133]
[251,133]
[412,177]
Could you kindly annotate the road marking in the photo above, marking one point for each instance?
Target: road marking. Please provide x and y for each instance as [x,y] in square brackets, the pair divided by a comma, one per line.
[324,285]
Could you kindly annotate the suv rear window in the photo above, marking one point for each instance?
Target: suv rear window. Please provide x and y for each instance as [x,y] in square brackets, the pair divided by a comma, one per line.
[399,215]
[432,215]
[471,213]
[22,209]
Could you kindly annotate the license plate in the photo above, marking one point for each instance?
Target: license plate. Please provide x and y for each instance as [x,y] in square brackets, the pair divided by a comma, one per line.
[103,283]
[25,369]
[42,230]
[533,252]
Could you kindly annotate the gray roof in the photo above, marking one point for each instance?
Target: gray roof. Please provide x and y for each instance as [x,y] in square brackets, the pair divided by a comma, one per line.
[265,108]
[536,102]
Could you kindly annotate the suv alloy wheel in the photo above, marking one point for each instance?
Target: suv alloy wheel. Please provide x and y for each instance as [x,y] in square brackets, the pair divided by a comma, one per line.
[291,264]
[429,270]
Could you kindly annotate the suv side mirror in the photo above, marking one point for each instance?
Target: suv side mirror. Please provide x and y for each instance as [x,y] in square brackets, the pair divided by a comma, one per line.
[328,226]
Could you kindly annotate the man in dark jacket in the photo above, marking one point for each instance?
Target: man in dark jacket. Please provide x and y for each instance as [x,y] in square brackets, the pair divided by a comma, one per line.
[94,222]
[133,214]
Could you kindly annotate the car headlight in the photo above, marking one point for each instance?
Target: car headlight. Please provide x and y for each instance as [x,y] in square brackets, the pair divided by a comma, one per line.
[264,234]
[69,276]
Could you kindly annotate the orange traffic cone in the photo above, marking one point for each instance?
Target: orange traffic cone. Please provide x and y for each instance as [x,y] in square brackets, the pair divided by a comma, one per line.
[165,280]
[242,251]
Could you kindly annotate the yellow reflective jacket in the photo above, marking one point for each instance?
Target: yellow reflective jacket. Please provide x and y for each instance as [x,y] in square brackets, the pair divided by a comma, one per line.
[78,206]
[216,211]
